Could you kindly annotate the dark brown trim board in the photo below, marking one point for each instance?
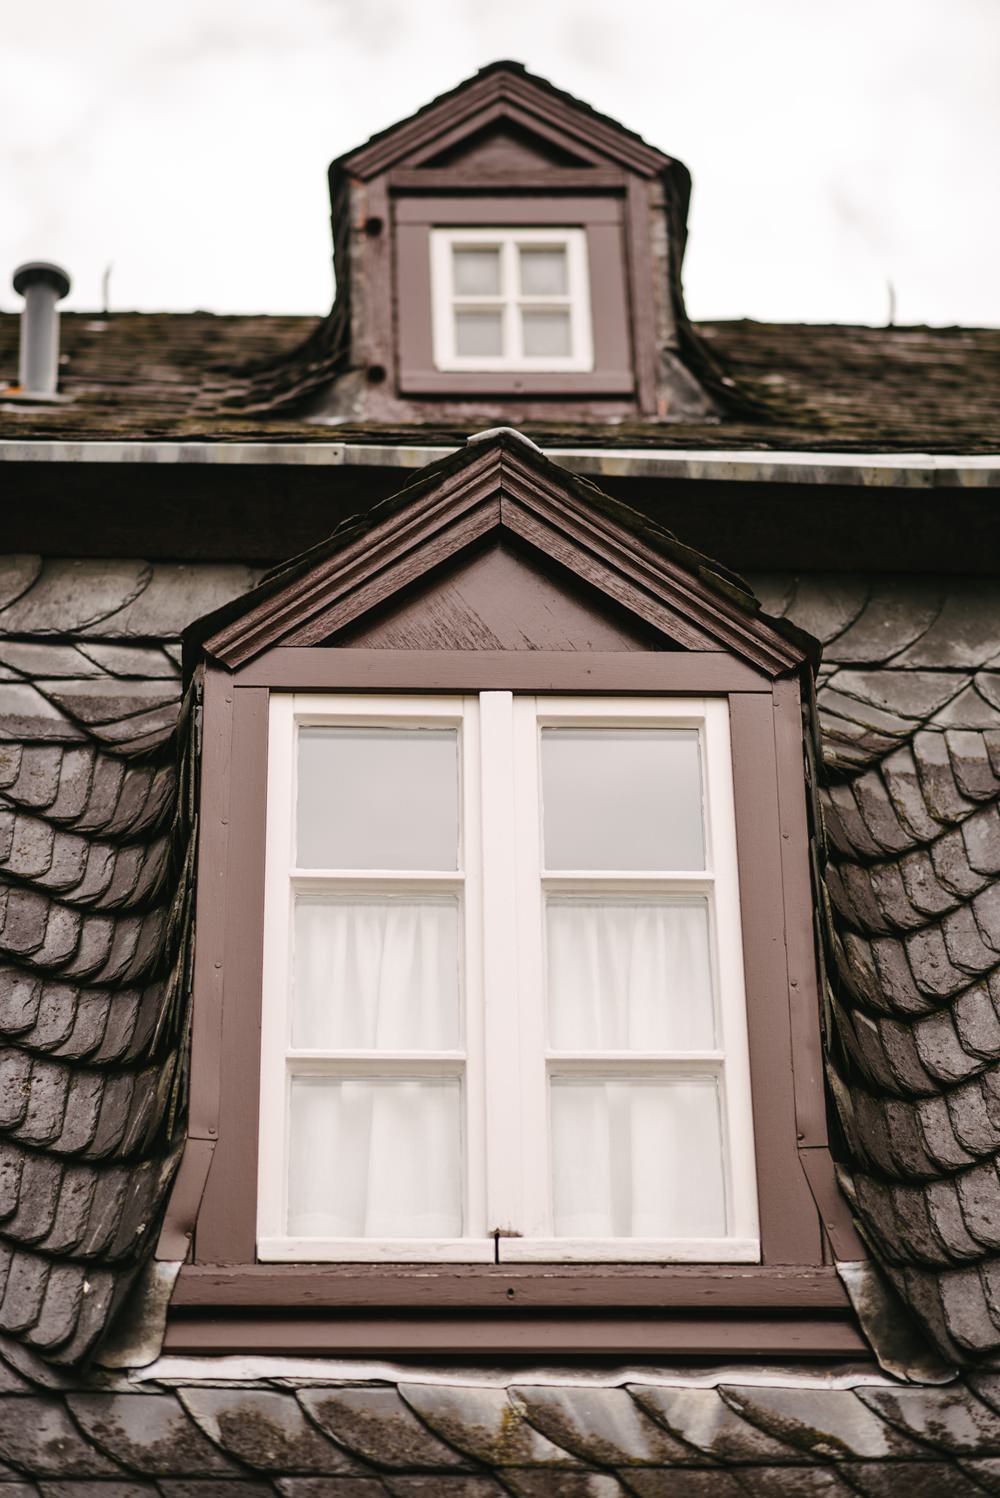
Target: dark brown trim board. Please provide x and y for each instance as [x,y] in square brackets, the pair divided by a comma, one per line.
[792,1279]
[465,1335]
[504,492]
[700,673]
[602,220]
[563,1287]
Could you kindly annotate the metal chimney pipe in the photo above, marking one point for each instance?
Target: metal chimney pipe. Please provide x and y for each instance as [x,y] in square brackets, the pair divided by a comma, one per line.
[42,285]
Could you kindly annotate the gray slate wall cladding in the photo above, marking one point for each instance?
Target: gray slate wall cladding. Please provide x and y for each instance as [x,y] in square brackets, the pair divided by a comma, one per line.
[95,843]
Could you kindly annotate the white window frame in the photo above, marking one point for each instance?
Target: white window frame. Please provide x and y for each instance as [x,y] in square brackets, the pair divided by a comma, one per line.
[510,301]
[504,1062]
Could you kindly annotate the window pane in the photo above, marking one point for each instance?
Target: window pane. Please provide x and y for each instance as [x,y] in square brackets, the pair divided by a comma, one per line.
[377,798]
[637,1158]
[476,272]
[629,973]
[622,798]
[543,271]
[375,974]
[371,1158]
[478,334]
[546,335]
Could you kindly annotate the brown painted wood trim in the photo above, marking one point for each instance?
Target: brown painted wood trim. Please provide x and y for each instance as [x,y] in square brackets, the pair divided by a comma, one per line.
[800,935]
[227,1227]
[497,212]
[464,179]
[213,862]
[185,1201]
[502,490]
[532,1286]
[834,1209]
[379,348]
[492,113]
[478,1336]
[416,380]
[789,1224]
[503,96]
[601,218]
[311,669]
[640,283]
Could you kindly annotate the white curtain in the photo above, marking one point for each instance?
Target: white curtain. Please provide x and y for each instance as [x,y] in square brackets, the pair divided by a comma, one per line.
[370,1158]
[375,973]
[637,1158]
[629,973]
[376,1156]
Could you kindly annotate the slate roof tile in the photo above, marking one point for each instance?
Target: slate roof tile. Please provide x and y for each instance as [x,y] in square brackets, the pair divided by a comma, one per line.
[945,1210]
[265,1430]
[148,1433]
[829,1423]
[376,1425]
[485,1424]
[601,1426]
[706,1423]
[38,1434]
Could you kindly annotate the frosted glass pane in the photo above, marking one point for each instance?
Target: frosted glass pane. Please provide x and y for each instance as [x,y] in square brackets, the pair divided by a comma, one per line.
[637,1158]
[622,798]
[543,272]
[478,334]
[476,272]
[629,973]
[546,335]
[370,1158]
[375,974]
[377,798]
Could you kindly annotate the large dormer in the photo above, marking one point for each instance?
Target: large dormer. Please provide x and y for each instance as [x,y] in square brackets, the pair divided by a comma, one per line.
[509,252]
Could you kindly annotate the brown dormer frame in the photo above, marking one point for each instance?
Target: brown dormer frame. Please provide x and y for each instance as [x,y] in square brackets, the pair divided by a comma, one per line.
[605,179]
[708,644]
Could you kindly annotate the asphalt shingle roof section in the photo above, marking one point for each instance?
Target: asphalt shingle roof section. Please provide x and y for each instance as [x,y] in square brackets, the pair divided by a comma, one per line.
[176,376]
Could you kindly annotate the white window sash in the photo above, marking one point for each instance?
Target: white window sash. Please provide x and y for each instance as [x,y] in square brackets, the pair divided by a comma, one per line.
[504,1063]
[510,301]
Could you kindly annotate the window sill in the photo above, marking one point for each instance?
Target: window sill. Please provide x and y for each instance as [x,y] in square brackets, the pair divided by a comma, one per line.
[227,1287]
[480,1310]
[482,382]
[509,1250]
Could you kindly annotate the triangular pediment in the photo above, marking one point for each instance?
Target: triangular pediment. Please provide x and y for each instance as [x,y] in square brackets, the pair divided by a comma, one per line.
[543,533]
[497,598]
[504,147]
[505,99]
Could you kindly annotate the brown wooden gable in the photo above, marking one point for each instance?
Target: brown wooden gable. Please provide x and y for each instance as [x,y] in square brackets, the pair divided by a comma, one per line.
[545,528]
[503,99]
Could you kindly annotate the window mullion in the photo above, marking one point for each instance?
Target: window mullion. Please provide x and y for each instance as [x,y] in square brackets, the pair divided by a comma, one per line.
[532,1019]
[504,1112]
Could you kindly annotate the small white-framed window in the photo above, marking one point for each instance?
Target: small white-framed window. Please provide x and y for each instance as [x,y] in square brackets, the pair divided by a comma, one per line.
[503,1011]
[511,299]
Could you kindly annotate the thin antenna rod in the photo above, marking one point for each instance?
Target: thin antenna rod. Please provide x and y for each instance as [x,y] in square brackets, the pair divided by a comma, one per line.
[106,286]
[892,304]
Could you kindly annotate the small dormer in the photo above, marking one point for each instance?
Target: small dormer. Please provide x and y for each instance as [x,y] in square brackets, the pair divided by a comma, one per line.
[509,253]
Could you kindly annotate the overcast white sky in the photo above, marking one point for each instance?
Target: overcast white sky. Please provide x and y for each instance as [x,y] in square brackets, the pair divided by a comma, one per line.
[834,144]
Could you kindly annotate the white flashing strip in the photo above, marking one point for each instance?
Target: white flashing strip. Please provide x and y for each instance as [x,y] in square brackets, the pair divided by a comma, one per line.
[181,1370]
[873,470]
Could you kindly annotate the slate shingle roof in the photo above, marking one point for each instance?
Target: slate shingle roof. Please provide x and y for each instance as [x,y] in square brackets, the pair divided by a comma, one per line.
[136,376]
[97,820]
[910,713]
[641,1436]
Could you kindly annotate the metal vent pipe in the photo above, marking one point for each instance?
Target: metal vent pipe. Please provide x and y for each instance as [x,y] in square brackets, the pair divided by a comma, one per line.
[42,285]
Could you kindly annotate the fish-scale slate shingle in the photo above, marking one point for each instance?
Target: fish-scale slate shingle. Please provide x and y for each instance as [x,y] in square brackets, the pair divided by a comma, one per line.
[94,866]
[911,814]
[416,1435]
